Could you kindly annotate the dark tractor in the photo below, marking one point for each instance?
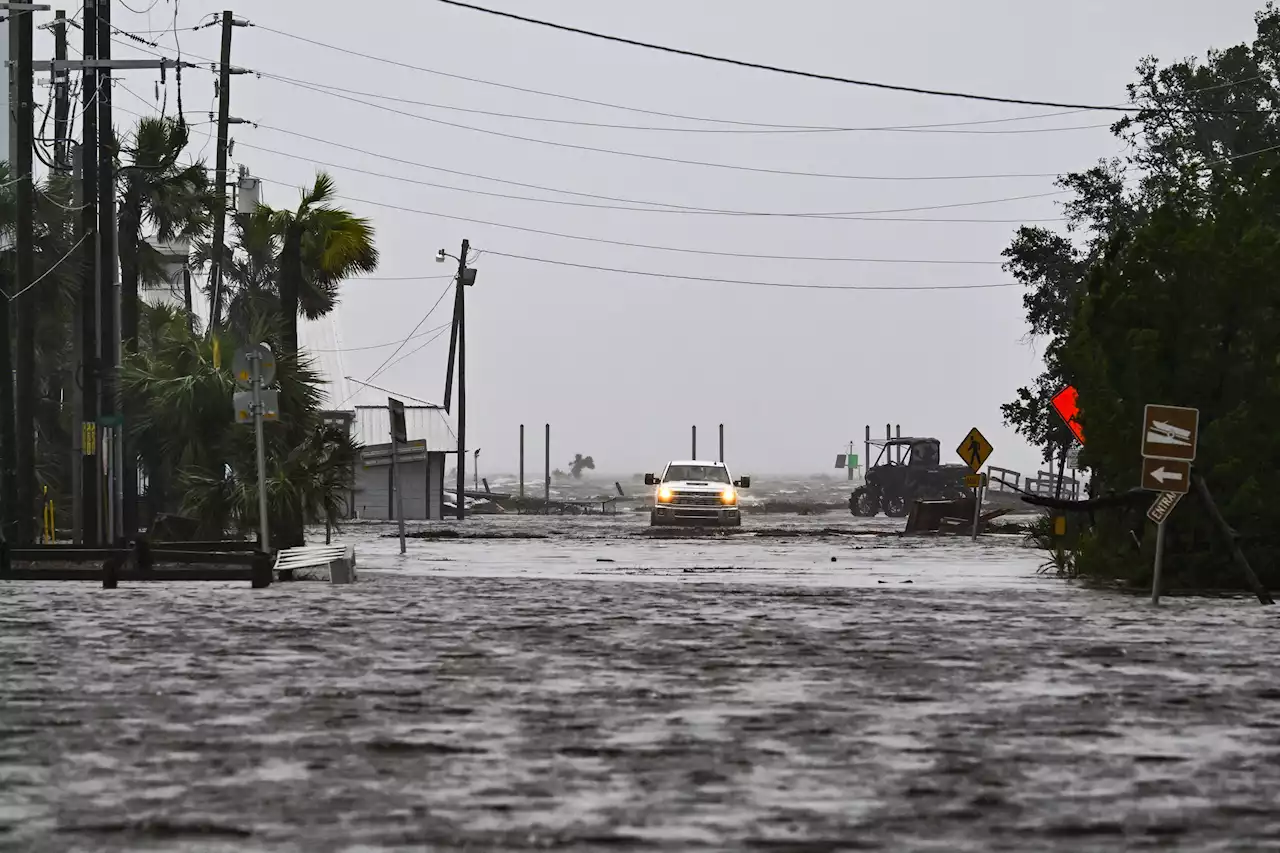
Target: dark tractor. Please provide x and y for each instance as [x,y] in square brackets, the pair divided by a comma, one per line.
[907,470]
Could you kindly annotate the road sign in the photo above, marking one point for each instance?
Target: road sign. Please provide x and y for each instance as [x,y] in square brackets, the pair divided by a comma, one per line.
[242,401]
[1163,505]
[975,481]
[1166,475]
[975,449]
[399,432]
[1067,404]
[1170,432]
[116,421]
[1073,457]
[242,365]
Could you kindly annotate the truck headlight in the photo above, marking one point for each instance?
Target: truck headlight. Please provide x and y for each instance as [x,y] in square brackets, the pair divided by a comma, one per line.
[729,497]
[664,495]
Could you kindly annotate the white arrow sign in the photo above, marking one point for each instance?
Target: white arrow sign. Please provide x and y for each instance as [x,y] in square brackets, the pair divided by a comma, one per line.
[1163,476]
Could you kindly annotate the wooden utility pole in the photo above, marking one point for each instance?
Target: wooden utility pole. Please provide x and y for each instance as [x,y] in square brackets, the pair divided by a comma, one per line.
[109,416]
[462,379]
[22,80]
[220,175]
[87,297]
[61,96]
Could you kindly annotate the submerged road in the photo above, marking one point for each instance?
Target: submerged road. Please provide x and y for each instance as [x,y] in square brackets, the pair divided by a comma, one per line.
[576,685]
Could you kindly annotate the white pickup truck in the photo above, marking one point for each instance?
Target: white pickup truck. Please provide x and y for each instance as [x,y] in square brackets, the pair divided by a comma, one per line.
[698,493]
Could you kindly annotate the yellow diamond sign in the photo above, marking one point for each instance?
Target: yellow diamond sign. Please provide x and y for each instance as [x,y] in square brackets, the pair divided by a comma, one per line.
[975,450]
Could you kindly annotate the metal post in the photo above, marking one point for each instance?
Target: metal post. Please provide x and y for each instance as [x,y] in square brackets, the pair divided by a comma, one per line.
[1062,469]
[255,358]
[220,176]
[977,508]
[866,460]
[721,459]
[521,461]
[694,454]
[897,433]
[546,484]
[848,463]
[1155,576]
[395,480]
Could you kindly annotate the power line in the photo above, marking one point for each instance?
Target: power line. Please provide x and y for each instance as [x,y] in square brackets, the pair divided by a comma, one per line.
[588,101]
[752,283]
[674,160]
[411,334]
[944,127]
[382,345]
[601,240]
[893,87]
[679,211]
[677,208]
[51,269]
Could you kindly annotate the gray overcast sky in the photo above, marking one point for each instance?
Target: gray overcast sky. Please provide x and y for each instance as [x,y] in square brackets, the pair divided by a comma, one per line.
[622,365]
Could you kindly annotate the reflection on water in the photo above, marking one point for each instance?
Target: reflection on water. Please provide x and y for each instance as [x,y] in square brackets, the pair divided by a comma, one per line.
[736,693]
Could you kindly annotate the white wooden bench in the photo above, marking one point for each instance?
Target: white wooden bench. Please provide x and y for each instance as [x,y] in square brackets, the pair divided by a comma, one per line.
[340,560]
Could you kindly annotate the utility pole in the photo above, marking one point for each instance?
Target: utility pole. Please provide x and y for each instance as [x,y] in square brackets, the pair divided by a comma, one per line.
[220,173]
[91,532]
[109,290]
[61,95]
[22,89]
[462,378]
[458,350]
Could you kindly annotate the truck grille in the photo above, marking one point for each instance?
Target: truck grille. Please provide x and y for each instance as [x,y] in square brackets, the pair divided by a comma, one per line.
[690,499]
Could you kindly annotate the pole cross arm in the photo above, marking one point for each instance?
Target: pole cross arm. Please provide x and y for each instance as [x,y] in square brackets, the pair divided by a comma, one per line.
[106,64]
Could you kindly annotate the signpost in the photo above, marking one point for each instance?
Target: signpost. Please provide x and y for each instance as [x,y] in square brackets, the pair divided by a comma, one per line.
[975,450]
[399,436]
[847,461]
[1170,435]
[255,368]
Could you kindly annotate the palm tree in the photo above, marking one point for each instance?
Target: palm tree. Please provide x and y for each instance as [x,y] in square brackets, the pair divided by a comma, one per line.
[322,246]
[250,268]
[170,201]
[200,462]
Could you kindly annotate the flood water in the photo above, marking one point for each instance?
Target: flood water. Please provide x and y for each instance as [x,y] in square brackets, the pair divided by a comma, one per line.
[575,684]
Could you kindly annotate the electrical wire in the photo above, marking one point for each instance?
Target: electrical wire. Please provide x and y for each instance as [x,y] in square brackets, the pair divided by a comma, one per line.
[384,345]
[588,101]
[754,283]
[587,239]
[595,206]
[673,160]
[893,87]
[417,349]
[676,208]
[946,127]
[51,269]
[409,337]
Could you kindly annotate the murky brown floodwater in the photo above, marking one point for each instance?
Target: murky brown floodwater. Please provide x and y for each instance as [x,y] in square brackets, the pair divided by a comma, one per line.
[737,694]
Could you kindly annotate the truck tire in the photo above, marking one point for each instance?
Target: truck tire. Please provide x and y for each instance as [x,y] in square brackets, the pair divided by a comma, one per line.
[895,506]
[863,504]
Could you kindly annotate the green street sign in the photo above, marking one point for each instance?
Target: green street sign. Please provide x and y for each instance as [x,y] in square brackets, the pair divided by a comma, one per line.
[853,460]
[111,420]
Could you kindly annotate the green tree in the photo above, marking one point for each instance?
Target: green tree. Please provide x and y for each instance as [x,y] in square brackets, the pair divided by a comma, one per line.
[202,463]
[1142,299]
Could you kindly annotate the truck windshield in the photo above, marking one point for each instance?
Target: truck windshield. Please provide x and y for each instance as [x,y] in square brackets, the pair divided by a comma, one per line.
[707,473]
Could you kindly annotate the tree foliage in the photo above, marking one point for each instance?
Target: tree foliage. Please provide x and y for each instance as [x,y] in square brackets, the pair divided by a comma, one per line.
[1163,290]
